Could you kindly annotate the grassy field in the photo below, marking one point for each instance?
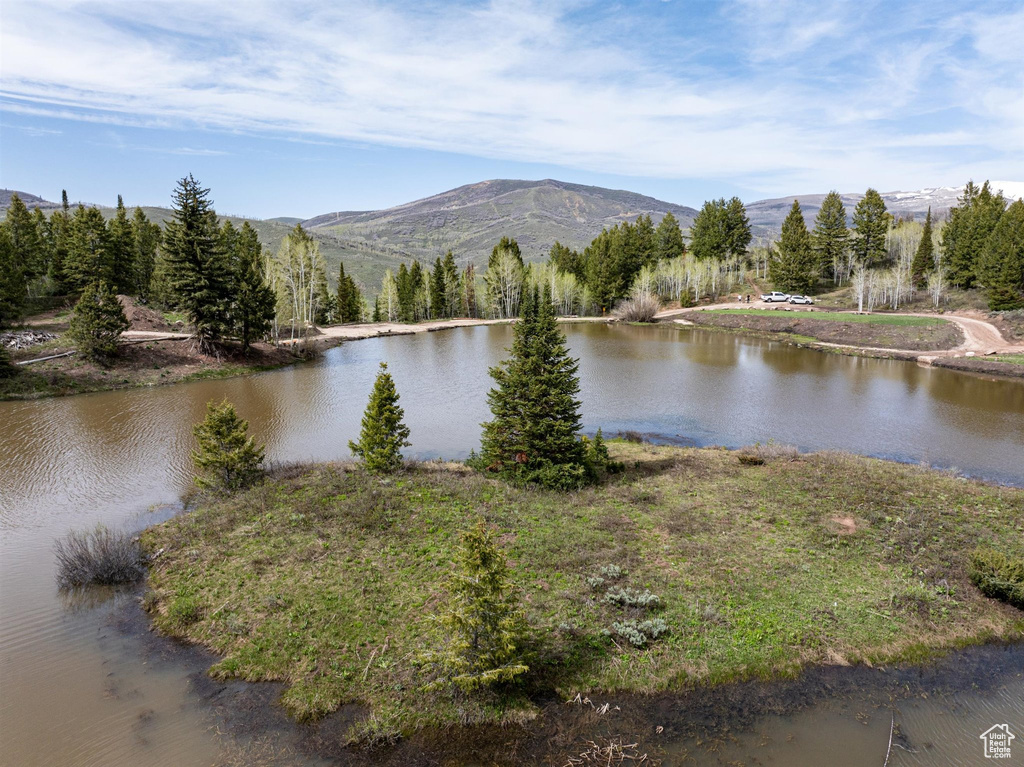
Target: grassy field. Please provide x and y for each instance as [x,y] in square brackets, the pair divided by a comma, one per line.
[871,319]
[880,331]
[327,579]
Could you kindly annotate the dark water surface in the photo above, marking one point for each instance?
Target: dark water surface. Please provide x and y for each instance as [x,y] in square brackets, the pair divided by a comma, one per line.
[74,690]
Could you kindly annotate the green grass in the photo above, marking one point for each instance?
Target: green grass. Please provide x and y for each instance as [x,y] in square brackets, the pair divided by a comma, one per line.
[1013,359]
[871,319]
[327,580]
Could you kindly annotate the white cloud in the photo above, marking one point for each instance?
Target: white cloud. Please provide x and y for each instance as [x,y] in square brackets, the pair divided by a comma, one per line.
[526,82]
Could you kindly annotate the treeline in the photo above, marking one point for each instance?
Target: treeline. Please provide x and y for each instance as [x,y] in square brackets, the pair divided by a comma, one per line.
[980,244]
[219,275]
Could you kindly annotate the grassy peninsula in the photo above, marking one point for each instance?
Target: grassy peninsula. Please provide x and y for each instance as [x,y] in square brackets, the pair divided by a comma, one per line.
[326,578]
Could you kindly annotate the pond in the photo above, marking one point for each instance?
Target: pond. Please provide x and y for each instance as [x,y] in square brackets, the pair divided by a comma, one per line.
[79,689]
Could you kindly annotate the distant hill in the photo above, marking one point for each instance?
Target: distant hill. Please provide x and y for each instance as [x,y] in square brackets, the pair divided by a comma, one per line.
[471,219]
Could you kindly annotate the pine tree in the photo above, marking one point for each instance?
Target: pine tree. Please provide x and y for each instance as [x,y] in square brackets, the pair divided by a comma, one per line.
[708,235]
[26,239]
[737,228]
[668,238]
[870,226]
[88,256]
[452,286]
[970,224]
[383,434]
[483,625]
[120,250]
[469,281]
[145,242]
[198,270]
[1001,266]
[793,267]
[831,238]
[924,257]
[534,435]
[98,322]
[255,303]
[350,298]
[376,309]
[12,278]
[227,458]
[437,296]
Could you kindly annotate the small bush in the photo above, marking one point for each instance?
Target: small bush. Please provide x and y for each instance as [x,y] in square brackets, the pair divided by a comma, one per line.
[639,633]
[998,576]
[639,308]
[629,597]
[100,556]
[633,436]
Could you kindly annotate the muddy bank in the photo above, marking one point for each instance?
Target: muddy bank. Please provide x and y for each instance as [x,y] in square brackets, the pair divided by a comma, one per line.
[255,730]
[980,365]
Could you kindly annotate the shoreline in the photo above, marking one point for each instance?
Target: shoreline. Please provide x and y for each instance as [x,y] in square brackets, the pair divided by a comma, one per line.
[916,627]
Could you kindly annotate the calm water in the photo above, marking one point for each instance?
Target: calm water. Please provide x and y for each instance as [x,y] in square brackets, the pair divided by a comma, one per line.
[74,690]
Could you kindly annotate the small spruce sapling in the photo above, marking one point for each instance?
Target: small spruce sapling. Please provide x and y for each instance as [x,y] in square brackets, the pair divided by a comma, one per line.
[383,433]
[227,458]
[484,626]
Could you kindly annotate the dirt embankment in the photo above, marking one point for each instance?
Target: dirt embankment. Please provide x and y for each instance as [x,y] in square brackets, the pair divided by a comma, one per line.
[934,336]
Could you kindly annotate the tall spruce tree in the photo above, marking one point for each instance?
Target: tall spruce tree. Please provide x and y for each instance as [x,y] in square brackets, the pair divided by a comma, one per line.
[254,301]
[98,322]
[227,459]
[794,266]
[349,298]
[1001,265]
[121,250]
[737,228]
[970,224]
[452,286]
[924,256]
[831,238]
[438,306]
[198,270]
[26,239]
[668,238]
[89,255]
[383,433]
[534,435]
[145,243]
[870,227]
[483,626]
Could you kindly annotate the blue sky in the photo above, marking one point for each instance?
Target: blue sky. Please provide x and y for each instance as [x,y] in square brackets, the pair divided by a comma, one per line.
[303,108]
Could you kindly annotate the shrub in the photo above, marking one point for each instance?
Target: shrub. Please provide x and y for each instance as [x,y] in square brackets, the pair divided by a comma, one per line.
[639,633]
[998,576]
[100,556]
[639,308]
[630,597]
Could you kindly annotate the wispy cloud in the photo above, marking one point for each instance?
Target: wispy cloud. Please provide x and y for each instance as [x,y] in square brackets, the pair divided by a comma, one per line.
[765,94]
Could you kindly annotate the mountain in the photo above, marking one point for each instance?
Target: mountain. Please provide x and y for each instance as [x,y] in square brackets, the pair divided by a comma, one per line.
[471,219]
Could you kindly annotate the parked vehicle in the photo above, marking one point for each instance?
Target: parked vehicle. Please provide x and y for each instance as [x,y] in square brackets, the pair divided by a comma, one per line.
[798,299]
[775,297]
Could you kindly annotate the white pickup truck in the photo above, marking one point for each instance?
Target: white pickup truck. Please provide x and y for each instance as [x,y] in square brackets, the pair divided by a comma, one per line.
[774,296]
